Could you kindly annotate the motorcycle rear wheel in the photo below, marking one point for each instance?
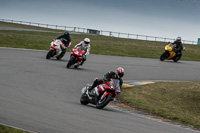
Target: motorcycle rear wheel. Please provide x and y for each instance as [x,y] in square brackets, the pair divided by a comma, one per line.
[177,58]
[61,55]
[102,102]
[71,62]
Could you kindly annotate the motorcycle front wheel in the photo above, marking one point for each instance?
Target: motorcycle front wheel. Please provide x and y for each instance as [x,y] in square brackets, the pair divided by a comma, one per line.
[50,54]
[163,56]
[102,102]
[71,62]
[84,99]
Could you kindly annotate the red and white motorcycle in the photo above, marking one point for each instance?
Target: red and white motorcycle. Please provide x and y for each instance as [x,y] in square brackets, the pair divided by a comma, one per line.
[102,94]
[55,49]
[76,57]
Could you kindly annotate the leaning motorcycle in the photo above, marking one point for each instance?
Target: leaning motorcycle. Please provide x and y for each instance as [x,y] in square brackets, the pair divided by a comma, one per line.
[169,54]
[76,57]
[56,50]
[102,94]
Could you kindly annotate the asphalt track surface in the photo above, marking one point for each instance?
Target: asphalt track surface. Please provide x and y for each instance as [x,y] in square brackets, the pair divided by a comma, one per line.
[42,95]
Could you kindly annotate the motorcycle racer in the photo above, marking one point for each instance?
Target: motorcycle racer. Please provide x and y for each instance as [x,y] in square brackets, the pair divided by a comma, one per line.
[179,46]
[66,39]
[114,75]
[86,44]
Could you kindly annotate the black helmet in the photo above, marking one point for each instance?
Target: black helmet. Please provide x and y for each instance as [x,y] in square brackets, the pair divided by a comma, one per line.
[178,39]
[66,33]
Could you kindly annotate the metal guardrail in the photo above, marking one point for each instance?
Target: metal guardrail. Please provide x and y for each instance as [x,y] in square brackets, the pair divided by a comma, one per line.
[105,33]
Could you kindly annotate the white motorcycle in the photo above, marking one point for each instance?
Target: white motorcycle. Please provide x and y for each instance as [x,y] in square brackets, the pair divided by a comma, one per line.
[56,50]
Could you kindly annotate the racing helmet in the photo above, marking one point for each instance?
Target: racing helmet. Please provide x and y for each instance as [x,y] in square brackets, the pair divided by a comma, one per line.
[86,40]
[178,39]
[66,32]
[120,72]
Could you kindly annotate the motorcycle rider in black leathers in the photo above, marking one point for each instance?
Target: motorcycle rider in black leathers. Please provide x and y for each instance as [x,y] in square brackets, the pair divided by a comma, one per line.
[178,46]
[66,39]
[110,75]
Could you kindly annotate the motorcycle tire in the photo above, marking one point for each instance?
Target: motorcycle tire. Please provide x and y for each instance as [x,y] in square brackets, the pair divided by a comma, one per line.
[61,55]
[177,58]
[50,54]
[84,99]
[103,102]
[163,56]
[71,62]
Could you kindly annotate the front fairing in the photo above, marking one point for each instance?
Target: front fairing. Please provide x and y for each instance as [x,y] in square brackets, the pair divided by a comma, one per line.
[56,44]
[78,53]
[169,49]
[112,86]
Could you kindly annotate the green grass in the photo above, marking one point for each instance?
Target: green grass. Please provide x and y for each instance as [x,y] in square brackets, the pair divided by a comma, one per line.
[178,101]
[99,44]
[6,129]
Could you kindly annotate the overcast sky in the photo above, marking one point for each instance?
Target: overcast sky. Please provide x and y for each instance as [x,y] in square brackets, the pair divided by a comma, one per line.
[162,18]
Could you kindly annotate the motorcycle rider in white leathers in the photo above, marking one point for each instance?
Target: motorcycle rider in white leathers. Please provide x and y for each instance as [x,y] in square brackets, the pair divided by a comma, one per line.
[86,44]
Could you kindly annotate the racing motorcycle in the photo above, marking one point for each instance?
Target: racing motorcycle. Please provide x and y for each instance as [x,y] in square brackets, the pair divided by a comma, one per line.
[169,54]
[56,50]
[76,57]
[102,94]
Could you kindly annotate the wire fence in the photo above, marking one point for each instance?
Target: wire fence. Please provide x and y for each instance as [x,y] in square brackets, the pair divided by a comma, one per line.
[100,32]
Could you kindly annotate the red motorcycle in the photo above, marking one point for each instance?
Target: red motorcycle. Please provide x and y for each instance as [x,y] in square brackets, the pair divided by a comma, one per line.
[76,57]
[102,94]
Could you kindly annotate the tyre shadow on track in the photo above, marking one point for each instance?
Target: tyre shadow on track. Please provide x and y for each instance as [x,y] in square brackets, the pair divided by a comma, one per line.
[105,109]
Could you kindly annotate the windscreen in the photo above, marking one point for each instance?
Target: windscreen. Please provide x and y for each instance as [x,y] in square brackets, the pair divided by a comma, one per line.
[80,48]
[115,85]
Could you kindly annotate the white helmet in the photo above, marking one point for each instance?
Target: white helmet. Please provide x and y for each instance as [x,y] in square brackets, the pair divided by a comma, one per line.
[86,40]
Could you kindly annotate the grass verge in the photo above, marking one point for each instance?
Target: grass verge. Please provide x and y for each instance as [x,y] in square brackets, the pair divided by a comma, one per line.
[99,44]
[6,129]
[178,101]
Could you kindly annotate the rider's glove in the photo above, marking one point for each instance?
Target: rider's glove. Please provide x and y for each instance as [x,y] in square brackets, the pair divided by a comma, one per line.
[84,56]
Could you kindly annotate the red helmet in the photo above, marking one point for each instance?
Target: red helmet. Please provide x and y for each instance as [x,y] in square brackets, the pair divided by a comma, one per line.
[120,72]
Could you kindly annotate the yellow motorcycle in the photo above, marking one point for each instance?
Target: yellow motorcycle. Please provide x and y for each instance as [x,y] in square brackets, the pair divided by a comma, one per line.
[169,54]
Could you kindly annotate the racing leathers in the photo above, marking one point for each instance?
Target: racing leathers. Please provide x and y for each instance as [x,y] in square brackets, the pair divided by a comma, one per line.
[66,39]
[107,77]
[87,50]
[178,47]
